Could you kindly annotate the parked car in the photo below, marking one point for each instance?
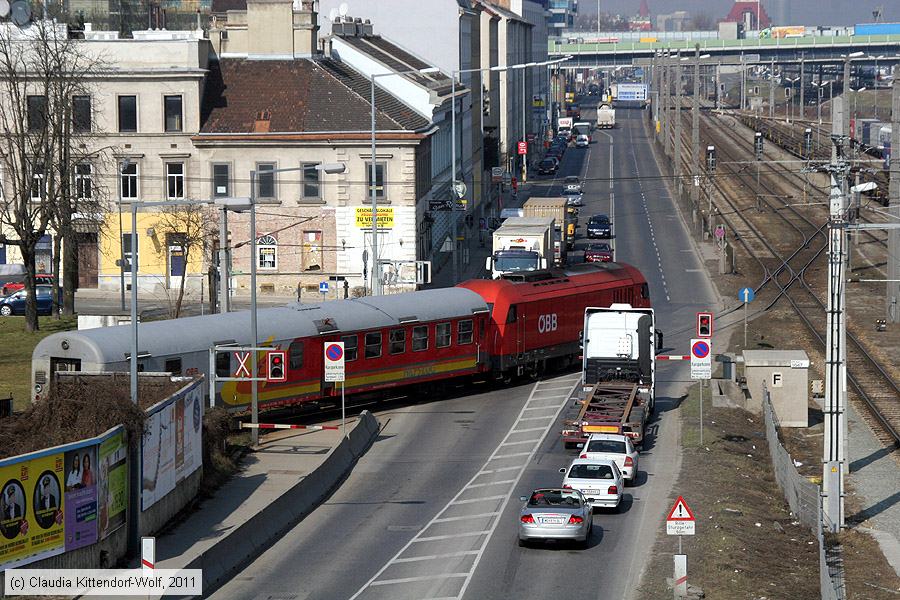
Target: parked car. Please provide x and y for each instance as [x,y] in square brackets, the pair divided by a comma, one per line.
[555,514]
[571,184]
[615,447]
[598,480]
[547,166]
[14,304]
[574,199]
[582,141]
[599,226]
[14,286]
[598,252]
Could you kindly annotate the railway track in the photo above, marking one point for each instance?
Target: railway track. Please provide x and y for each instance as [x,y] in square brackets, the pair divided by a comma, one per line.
[870,383]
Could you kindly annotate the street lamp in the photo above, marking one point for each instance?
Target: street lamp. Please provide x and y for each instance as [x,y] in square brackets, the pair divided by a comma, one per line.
[123,166]
[830,96]
[376,279]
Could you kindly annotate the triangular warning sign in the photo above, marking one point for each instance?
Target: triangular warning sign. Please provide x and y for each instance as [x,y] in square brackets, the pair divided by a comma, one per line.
[680,511]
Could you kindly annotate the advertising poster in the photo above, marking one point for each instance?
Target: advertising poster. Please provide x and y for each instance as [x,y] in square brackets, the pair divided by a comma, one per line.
[32,509]
[81,477]
[112,492]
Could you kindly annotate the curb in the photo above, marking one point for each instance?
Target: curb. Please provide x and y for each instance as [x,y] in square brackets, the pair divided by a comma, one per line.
[253,537]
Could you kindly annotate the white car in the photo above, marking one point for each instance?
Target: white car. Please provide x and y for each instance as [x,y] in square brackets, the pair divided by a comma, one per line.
[599,481]
[582,141]
[614,447]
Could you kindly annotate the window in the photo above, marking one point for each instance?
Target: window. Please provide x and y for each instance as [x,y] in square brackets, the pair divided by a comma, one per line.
[420,338]
[127,114]
[373,344]
[310,187]
[83,185]
[223,364]
[265,180]
[295,355]
[81,113]
[126,251]
[511,316]
[350,347]
[267,252]
[221,183]
[379,180]
[175,181]
[398,341]
[129,179]
[464,332]
[311,252]
[38,185]
[442,335]
[37,112]
[173,366]
[172,105]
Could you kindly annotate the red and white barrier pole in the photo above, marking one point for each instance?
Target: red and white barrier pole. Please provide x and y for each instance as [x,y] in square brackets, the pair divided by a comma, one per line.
[280,426]
[673,357]
[148,553]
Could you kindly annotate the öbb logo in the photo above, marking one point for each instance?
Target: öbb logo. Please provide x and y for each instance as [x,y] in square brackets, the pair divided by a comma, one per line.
[547,323]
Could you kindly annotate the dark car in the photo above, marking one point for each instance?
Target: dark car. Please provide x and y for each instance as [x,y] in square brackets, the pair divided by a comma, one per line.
[547,166]
[14,304]
[598,252]
[599,226]
[14,286]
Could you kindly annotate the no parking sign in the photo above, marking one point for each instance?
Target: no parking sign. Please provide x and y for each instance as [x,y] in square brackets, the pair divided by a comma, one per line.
[701,359]
[334,361]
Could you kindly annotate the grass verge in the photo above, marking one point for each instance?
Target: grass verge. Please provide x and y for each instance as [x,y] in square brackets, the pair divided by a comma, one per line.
[15,356]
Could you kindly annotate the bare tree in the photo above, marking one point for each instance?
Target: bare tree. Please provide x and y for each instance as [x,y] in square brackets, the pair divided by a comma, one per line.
[189,230]
[42,71]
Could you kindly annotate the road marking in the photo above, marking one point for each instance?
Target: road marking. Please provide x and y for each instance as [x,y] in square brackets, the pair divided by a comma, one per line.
[522,442]
[482,499]
[536,418]
[479,545]
[436,556]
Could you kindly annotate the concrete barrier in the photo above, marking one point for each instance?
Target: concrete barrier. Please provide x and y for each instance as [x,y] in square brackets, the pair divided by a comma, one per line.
[248,541]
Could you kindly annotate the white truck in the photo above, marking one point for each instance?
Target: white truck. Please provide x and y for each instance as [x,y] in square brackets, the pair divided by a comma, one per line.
[521,244]
[618,391]
[606,116]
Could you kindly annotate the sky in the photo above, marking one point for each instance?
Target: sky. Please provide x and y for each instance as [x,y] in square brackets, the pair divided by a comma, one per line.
[802,12]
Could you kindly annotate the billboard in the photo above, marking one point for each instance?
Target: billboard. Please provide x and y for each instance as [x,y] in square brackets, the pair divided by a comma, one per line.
[50,500]
[172,445]
[631,92]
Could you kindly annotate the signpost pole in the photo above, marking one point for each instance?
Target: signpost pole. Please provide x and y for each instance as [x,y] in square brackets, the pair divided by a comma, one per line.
[701,412]
[343,410]
[745,320]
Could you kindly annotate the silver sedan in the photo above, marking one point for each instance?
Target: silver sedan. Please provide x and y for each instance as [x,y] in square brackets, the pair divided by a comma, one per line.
[555,514]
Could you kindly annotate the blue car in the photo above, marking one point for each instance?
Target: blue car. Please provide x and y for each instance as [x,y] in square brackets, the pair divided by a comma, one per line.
[14,304]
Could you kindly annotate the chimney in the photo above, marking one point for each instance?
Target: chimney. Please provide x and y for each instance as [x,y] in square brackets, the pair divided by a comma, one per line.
[276,30]
[359,27]
[263,122]
[367,28]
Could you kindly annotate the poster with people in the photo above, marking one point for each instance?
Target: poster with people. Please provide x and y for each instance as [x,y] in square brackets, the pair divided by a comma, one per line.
[172,446]
[32,507]
[81,497]
[112,491]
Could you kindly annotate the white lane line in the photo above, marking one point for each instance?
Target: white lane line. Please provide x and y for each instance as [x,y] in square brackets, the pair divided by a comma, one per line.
[563,401]
[522,431]
[553,389]
[522,442]
[535,418]
[482,499]
[540,407]
[513,455]
[437,556]
[466,517]
[504,482]
[422,578]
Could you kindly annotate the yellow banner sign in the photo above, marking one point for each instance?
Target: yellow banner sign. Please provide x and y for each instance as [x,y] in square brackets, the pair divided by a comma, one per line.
[364,218]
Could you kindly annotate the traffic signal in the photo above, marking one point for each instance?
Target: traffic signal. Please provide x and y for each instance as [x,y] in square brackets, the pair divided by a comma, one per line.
[275,364]
[711,159]
[758,145]
[704,324]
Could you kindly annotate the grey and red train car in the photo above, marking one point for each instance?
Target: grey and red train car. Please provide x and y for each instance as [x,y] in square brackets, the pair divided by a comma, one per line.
[480,328]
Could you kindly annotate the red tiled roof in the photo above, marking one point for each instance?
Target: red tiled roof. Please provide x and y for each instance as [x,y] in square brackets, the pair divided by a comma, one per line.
[740,7]
[300,96]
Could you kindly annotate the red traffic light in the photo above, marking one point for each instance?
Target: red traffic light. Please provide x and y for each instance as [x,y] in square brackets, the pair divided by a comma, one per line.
[704,324]
[275,364]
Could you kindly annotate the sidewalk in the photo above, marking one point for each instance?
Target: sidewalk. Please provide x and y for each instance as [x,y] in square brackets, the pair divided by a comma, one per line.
[279,482]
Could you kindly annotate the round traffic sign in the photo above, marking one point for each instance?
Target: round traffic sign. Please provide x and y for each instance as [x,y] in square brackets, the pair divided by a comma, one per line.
[700,349]
[746,294]
[334,352]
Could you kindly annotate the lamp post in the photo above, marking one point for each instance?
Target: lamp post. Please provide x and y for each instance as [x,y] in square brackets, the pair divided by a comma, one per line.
[122,167]
[376,279]
[877,58]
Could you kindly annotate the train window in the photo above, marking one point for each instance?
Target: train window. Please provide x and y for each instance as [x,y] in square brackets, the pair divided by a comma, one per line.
[420,338]
[295,355]
[512,315]
[173,366]
[464,332]
[645,291]
[442,335]
[223,364]
[373,344]
[398,341]
[351,345]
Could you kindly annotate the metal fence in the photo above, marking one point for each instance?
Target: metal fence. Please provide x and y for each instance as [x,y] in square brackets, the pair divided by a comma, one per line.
[805,500]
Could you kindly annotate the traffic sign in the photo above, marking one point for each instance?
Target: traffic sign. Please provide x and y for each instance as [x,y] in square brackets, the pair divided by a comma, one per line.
[680,520]
[523,147]
[746,294]
[701,359]
[496,174]
[334,361]
[323,287]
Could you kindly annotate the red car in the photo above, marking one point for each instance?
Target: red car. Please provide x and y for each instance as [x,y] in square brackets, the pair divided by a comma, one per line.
[598,252]
[11,287]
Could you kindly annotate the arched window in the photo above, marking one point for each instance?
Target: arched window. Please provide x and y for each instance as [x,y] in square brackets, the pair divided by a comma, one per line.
[267,252]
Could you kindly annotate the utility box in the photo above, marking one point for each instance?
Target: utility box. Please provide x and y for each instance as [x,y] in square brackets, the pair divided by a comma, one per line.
[785,373]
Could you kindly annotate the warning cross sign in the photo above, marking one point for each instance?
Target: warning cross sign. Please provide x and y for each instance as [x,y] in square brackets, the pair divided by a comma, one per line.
[680,520]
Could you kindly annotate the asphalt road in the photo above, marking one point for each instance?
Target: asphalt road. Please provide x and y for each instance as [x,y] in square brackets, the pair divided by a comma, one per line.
[431,510]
